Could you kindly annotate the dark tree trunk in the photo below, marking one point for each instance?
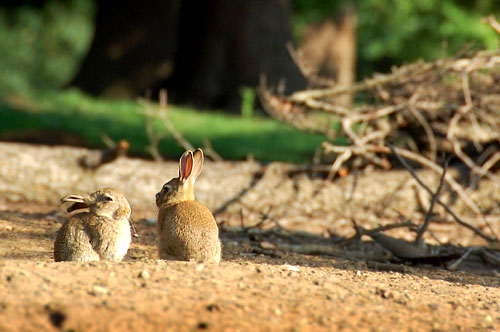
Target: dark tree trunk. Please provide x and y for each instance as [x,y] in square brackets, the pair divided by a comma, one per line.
[133,47]
[202,51]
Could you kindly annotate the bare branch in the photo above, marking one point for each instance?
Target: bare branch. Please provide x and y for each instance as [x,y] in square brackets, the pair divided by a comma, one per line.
[160,112]
[455,265]
[210,152]
[163,116]
[339,161]
[301,96]
[492,21]
[425,124]
[467,95]
[307,70]
[448,209]
[154,137]
[384,228]
[445,105]
[362,150]
[435,196]
[491,162]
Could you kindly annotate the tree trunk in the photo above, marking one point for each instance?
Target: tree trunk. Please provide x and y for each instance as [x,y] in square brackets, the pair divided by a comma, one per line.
[133,47]
[202,51]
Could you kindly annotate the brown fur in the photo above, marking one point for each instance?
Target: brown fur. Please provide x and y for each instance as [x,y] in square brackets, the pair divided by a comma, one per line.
[101,233]
[187,230]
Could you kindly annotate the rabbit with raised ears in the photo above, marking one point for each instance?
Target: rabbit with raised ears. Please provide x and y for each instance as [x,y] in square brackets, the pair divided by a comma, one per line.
[102,233]
[187,230]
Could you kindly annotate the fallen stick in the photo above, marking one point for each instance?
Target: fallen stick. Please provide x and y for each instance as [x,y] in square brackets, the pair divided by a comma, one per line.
[462,258]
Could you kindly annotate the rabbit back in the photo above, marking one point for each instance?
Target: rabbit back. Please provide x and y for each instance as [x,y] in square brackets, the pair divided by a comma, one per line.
[73,242]
[86,237]
[188,231]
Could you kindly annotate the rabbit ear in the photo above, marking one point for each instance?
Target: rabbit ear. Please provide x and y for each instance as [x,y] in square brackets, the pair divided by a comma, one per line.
[81,202]
[186,165]
[198,160]
[73,198]
[77,206]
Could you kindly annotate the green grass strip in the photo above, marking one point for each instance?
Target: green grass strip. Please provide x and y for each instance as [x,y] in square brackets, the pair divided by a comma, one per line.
[233,137]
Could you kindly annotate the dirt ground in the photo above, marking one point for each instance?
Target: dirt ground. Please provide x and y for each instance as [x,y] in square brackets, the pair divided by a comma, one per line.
[257,286]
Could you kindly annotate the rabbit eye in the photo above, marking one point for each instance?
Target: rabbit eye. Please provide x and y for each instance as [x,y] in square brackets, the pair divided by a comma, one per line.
[166,189]
[108,198]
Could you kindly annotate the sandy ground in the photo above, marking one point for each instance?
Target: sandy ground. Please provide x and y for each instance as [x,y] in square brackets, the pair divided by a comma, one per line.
[251,289]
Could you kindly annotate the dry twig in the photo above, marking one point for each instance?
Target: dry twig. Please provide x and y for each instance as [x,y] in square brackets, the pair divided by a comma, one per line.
[361,231]
[430,108]
[377,80]
[163,116]
[307,70]
[435,196]
[458,262]
[160,112]
[447,106]
[210,151]
[492,21]
[361,151]
[447,208]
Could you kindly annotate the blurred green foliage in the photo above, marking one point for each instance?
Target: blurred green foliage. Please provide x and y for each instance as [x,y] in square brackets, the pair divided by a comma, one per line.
[393,32]
[42,47]
[248,97]
[233,137]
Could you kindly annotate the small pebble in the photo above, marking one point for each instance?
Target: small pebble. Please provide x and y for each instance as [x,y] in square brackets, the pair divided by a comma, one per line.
[433,306]
[97,290]
[293,268]
[144,275]
[267,245]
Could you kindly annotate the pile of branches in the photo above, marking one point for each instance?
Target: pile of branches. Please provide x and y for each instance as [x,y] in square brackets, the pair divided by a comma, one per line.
[426,109]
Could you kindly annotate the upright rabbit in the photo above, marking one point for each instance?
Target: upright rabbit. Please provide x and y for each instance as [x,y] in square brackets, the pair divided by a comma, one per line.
[187,230]
[102,233]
